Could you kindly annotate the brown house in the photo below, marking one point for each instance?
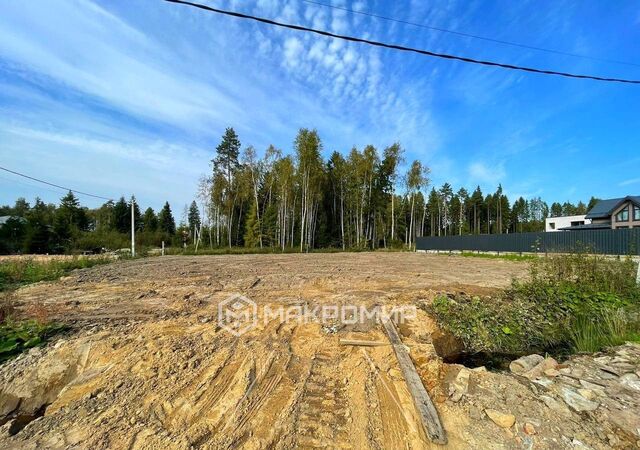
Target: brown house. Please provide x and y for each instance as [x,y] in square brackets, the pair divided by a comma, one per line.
[616,213]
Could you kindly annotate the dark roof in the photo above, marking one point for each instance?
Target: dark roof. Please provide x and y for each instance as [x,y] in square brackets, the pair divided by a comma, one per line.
[604,208]
[587,226]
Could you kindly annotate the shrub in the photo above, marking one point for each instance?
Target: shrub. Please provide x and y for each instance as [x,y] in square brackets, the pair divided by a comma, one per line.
[577,301]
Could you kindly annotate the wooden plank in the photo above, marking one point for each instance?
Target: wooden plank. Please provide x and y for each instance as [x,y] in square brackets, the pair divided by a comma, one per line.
[362,343]
[428,413]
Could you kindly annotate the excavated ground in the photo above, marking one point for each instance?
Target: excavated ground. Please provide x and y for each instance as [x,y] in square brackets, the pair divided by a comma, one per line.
[146,364]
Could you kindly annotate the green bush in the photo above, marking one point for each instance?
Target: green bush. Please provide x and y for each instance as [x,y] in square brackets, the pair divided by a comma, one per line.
[577,302]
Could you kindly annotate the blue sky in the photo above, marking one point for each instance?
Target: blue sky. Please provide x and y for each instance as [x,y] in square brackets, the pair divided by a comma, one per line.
[121,97]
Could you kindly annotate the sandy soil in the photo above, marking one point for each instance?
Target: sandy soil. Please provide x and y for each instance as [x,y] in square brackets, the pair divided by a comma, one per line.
[146,364]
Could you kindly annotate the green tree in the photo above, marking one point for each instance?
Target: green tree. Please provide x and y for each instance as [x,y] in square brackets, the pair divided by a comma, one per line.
[70,219]
[39,232]
[166,222]
[149,220]
[226,163]
[252,236]
[121,222]
[193,218]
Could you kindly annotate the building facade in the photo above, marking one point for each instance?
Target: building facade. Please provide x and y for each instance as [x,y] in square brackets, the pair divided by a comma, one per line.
[559,223]
[616,213]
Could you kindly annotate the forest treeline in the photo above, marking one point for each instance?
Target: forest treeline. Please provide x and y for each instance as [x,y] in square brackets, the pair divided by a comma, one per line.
[358,200]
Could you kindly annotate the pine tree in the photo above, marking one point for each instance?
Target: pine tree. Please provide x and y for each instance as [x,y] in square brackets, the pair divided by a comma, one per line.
[150,220]
[193,218]
[226,164]
[166,222]
[39,235]
[121,221]
[252,237]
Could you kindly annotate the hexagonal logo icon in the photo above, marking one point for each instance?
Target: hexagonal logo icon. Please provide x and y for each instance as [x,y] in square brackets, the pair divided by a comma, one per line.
[237,314]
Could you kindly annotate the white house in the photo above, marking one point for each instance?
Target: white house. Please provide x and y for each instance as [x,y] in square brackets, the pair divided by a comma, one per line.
[557,223]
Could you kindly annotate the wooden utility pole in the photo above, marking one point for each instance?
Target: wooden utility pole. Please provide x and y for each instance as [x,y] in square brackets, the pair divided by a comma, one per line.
[133,227]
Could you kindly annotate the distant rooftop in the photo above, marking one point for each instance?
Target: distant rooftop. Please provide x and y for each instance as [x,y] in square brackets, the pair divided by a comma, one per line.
[604,208]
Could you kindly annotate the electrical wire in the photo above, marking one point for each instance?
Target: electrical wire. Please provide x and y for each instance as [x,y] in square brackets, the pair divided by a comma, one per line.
[54,185]
[469,35]
[402,48]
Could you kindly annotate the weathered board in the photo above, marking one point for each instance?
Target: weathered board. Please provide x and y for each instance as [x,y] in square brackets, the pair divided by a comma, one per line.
[430,420]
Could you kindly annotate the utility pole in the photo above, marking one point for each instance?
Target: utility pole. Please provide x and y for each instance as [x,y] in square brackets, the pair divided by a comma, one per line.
[133,228]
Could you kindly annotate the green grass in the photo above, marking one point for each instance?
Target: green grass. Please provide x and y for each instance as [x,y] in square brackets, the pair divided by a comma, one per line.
[507,256]
[591,334]
[14,273]
[571,303]
[16,337]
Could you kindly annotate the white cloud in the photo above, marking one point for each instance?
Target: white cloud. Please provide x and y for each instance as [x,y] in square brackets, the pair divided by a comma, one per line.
[629,182]
[481,172]
[292,49]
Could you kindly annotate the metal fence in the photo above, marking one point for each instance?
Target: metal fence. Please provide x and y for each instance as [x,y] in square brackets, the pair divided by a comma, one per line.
[608,242]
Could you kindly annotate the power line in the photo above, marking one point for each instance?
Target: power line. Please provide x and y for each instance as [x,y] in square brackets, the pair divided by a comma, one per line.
[54,185]
[402,48]
[469,35]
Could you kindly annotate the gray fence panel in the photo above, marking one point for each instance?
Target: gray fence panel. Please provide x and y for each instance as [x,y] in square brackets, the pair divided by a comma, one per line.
[610,242]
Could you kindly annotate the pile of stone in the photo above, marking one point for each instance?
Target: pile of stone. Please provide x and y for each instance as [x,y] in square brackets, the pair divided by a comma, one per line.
[606,385]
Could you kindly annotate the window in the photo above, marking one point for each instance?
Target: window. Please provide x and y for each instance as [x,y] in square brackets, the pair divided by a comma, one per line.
[623,216]
[577,223]
[636,213]
[552,225]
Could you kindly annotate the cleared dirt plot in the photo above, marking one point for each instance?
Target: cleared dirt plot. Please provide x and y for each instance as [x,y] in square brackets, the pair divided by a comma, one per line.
[146,364]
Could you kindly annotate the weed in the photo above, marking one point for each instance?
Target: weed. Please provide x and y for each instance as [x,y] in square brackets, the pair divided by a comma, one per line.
[578,302]
[15,337]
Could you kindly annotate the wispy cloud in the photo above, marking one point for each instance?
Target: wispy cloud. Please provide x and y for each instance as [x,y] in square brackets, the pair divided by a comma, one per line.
[482,172]
[144,91]
[629,182]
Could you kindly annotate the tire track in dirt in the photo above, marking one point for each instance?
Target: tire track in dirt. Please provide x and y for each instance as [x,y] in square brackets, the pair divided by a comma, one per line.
[322,413]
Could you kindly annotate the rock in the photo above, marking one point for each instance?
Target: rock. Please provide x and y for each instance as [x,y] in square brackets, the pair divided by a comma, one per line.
[588,385]
[576,401]
[555,405]
[475,412]
[544,382]
[587,393]
[630,381]
[460,385]
[541,368]
[575,443]
[501,419]
[529,429]
[552,373]
[627,421]
[525,363]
